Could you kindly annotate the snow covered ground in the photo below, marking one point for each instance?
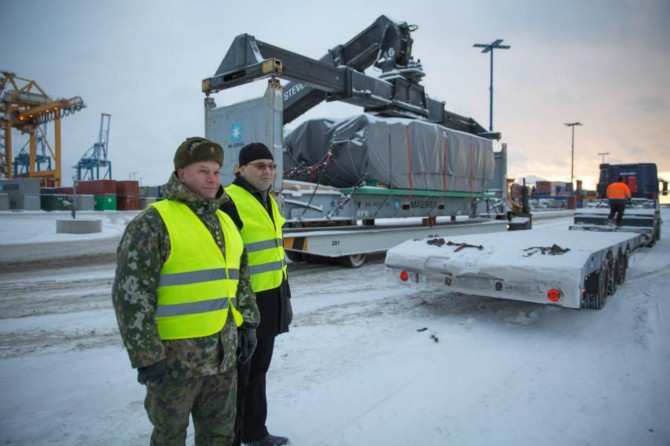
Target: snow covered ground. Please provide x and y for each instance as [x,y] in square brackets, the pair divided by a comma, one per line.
[366,362]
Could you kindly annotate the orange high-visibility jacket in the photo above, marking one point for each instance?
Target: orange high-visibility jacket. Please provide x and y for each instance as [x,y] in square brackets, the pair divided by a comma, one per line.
[618,191]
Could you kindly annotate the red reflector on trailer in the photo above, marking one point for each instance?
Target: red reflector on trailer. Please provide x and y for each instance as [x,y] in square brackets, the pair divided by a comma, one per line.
[553,295]
[404,276]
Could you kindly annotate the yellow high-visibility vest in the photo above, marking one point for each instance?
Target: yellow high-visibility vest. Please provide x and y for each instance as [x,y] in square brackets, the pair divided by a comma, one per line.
[262,238]
[198,284]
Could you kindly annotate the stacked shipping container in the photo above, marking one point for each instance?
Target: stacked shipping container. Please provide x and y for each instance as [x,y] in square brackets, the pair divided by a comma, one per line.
[150,194]
[104,192]
[552,188]
[128,195]
[543,188]
[22,193]
[99,195]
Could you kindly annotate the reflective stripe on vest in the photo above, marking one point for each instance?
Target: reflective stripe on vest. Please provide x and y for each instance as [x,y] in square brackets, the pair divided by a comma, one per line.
[198,276]
[262,239]
[192,307]
[198,284]
[618,191]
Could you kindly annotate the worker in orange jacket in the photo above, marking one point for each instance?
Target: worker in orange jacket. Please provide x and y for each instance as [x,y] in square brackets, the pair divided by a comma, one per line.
[618,194]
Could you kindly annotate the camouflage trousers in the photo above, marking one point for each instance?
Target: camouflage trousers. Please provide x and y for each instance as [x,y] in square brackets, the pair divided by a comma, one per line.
[210,400]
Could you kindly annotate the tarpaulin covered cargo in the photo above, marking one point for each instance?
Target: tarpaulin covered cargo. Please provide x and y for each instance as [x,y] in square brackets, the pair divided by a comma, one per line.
[393,152]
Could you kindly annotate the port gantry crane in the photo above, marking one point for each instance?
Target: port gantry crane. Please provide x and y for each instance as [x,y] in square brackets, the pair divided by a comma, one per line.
[96,156]
[26,107]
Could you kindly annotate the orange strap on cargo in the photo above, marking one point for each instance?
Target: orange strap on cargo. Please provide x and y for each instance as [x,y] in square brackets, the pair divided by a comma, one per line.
[409,159]
[471,166]
[444,171]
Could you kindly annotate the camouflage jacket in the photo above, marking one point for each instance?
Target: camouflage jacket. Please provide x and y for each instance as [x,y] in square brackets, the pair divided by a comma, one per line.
[144,248]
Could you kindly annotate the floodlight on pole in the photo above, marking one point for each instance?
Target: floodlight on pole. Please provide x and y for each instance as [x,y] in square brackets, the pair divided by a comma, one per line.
[603,155]
[572,159]
[488,48]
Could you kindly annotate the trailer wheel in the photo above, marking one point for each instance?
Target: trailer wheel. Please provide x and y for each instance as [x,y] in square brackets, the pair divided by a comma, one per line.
[595,287]
[597,300]
[353,261]
[655,235]
[622,265]
[603,285]
[295,256]
[313,258]
[612,273]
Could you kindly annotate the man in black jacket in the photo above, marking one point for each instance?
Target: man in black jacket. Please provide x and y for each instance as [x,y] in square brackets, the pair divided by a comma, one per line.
[255,212]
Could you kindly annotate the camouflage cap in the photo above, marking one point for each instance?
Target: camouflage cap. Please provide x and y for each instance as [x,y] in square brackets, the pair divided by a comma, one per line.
[196,149]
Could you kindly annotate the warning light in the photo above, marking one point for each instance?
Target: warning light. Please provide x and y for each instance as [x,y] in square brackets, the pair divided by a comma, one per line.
[553,295]
[404,276]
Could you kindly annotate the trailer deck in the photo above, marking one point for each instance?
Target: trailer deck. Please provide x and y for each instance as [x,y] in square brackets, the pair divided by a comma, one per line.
[572,269]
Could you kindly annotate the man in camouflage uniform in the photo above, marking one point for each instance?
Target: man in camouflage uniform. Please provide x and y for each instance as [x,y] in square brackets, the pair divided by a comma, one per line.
[186,374]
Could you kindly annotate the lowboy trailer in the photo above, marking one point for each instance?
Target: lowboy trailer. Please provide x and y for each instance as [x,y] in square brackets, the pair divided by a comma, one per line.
[574,269]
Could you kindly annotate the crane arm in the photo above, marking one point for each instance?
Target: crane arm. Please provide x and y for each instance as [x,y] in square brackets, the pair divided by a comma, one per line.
[385,44]
[51,110]
[339,76]
[341,83]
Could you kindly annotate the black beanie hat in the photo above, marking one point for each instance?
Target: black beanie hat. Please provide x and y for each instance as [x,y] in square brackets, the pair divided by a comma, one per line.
[254,151]
[196,149]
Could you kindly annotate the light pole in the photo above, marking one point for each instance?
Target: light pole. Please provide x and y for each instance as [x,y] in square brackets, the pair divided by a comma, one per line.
[572,161]
[488,48]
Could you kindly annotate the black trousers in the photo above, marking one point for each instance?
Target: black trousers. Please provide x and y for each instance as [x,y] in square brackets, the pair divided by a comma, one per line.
[617,207]
[252,404]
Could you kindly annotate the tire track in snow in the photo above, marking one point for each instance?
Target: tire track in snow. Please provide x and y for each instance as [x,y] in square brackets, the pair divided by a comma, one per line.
[54,297]
[41,342]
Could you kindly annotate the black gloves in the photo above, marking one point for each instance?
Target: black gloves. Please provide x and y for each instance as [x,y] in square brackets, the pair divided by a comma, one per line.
[154,375]
[246,344]
[285,296]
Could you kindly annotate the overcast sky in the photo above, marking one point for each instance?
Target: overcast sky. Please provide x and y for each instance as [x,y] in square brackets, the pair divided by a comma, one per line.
[604,63]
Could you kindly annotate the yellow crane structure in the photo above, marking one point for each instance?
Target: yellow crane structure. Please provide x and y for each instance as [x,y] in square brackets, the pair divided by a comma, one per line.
[27,108]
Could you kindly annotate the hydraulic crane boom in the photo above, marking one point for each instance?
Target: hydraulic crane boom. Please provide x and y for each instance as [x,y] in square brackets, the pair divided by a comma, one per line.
[384,44]
[339,76]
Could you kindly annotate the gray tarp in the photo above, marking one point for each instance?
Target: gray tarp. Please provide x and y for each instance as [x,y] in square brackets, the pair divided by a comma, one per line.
[399,153]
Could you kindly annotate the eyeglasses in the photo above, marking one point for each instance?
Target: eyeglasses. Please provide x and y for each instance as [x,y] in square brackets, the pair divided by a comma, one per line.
[263,166]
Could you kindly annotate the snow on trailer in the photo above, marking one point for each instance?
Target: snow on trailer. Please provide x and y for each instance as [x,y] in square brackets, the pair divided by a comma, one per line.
[574,269]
